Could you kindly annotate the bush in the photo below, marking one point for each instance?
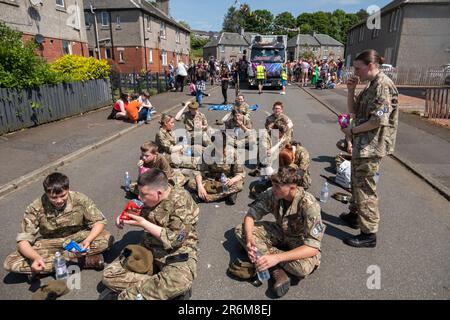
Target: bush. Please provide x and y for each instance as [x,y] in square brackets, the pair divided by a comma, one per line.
[19,65]
[78,68]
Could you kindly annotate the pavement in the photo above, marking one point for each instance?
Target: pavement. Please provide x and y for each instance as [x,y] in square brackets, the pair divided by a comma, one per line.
[45,148]
[421,145]
[413,248]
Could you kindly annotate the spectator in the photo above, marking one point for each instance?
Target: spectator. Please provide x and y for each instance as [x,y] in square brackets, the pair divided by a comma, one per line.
[225,80]
[200,86]
[339,70]
[212,70]
[145,103]
[119,110]
[304,71]
[181,75]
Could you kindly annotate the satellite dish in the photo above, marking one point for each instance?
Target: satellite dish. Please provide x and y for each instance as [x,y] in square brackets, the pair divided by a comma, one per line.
[36,2]
[39,38]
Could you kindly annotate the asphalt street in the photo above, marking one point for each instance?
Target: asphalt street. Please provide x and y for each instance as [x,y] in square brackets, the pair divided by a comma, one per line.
[413,251]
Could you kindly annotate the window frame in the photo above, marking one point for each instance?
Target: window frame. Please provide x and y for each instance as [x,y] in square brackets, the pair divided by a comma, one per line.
[222,48]
[69,47]
[118,21]
[162,31]
[150,55]
[164,58]
[121,56]
[63,5]
[104,14]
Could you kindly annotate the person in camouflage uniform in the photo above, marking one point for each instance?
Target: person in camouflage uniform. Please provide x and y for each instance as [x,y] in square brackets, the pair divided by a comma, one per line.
[195,124]
[240,105]
[167,145]
[169,219]
[50,222]
[295,155]
[292,243]
[373,136]
[207,187]
[240,128]
[278,109]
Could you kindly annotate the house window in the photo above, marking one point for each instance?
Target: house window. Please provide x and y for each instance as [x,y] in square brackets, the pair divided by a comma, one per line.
[149,23]
[391,21]
[121,56]
[150,55]
[177,35]
[118,21]
[87,19]
[396,19]
[164,57]
[108,53]
[222,48]
[91,52]
[105,19]
[178,56]
[240,49]
[67,48]
[60,3]
[163,30]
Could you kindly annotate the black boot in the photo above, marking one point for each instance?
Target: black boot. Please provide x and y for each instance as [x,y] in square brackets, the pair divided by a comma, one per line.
[351,219]
[363,240]
[231,199]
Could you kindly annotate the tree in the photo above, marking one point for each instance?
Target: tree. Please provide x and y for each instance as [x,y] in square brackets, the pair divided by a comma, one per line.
[233,20]
[362,14]
[305,18]
[306,28]
[184,24]
[286,20]
[259,21]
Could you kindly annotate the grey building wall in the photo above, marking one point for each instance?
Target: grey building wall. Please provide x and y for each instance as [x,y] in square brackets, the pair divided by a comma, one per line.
[425,37]
[49,20]
[210,51]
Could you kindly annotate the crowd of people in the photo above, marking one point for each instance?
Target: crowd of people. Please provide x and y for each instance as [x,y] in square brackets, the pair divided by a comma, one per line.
[175,177]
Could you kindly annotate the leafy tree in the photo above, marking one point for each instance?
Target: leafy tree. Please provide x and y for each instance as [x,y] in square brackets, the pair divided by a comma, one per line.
[233,20]
[184,24]
[286,20]
[259,21]
[362,14]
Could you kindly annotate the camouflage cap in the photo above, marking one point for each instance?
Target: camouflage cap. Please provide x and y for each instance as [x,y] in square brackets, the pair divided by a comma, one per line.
[137,258]
[242,269]
[51,291]
[213,187]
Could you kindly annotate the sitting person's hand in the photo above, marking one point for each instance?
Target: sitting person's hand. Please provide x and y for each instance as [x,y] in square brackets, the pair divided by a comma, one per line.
[202,193]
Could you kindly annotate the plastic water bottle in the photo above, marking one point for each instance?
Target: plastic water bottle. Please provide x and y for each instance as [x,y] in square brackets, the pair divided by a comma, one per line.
[139,297]
[127,181]
[262,275]
[377,177]
[149,115]
[223,179]
[188,149]
[60,266]
[324,193]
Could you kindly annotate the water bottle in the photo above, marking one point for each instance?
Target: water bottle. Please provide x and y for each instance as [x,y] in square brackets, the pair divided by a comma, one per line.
[324,193]
[377,177]
[262,275]
[139,297]
[188,149]
[149,115]
[127,181]
[223,179]
[60,266]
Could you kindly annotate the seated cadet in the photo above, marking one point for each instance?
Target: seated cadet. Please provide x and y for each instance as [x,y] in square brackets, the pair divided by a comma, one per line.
[151,158]
[50,222]
[277,114]
[207,185]
[167,145]
[292,243]
[169,219]
[240,105]
[295,155]
[195,123]
[241,127]
[272,150]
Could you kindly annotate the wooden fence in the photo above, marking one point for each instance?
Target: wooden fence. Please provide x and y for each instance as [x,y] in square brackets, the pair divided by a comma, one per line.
[410,76]
[31,107]
[437,103]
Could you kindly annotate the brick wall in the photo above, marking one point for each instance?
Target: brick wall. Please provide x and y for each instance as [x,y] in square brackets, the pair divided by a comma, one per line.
[52,48]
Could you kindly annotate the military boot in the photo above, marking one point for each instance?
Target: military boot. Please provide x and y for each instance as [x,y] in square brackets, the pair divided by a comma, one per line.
[231,199]
[351,219]
[363,240]
[92,262]
[281,282]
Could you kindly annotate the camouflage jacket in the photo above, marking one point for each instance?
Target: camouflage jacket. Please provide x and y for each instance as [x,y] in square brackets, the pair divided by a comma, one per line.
[242,108]
[161,163]
[189,121]
[177,215]
[165,140]
[377,103]
[231,123]
[42,220]
[300,220]
[271,119]
[230,167]
[302,159]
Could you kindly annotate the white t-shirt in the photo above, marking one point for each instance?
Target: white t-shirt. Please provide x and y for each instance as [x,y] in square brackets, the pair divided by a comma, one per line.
[181,70]
[145,102]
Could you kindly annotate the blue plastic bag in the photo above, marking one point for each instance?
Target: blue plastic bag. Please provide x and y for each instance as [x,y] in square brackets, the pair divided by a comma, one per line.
[72,246]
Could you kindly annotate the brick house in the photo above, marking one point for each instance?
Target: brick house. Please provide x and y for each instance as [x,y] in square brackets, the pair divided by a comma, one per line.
[413,34]
[322,45]
[56,25]
[135,35]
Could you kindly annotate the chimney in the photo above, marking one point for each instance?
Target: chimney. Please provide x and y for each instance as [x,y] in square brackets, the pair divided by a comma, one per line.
[163,5]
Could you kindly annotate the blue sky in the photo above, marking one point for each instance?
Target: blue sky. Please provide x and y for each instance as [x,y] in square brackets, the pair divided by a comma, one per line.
[208,14]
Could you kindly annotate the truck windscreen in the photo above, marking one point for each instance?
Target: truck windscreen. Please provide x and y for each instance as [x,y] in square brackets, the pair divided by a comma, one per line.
[268,55]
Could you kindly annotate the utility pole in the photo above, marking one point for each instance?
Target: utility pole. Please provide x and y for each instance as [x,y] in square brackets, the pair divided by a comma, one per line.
[99,55]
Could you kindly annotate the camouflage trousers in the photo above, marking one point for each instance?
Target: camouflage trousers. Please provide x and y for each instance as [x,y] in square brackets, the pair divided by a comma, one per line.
[171,281]
[213,197]
[269,239]
[47,248]
[364,200]
[178,160]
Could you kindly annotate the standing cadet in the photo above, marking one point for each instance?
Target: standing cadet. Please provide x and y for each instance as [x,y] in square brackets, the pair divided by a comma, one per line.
[50,222]
[293,242]
[169,219]
[260,76]
[373,136]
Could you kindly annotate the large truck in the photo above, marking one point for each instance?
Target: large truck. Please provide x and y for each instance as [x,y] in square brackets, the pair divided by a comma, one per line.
[271,51]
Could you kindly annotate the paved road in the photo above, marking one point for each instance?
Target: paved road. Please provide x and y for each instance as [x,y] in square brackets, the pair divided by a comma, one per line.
[414,242]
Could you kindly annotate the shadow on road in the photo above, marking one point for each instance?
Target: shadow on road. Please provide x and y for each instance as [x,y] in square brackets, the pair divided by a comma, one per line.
[331,230]
[132,237]
[330,160]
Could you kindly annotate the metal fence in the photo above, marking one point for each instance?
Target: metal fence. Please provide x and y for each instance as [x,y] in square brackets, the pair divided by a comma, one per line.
[152,82]
[437,103]
[31,107]
[410,76]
